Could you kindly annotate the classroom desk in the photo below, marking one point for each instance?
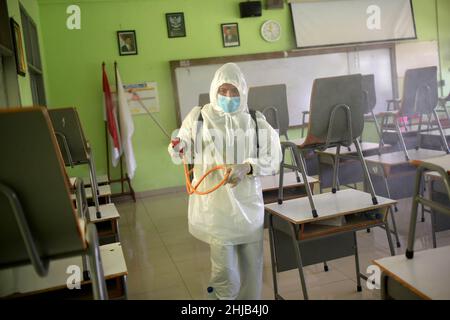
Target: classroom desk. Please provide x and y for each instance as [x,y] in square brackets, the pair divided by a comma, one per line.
[104,193]
[409,134]
[23,282]
[393,174]
[350,170]
[424,277]
[292,189]
[436,192]
[108,223]
[297,240]
[432,139]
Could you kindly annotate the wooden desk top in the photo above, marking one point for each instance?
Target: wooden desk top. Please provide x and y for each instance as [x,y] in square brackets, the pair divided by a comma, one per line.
[269,183]
[398,157]
[108,211]
[328,205]
[104,190]
[427,274]
[443,162]
[436,133]
[24,279]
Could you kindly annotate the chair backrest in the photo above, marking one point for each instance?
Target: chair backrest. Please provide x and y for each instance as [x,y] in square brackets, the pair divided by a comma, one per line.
[31,165]
[368,87]
[420,91]
[66,123]
[326,95]
[203,99]
[263,97]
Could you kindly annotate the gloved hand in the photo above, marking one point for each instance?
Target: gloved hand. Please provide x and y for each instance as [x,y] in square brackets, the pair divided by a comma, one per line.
[237,173]
[177,146]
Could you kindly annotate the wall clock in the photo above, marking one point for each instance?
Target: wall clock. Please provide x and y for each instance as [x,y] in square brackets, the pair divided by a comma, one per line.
[271,30]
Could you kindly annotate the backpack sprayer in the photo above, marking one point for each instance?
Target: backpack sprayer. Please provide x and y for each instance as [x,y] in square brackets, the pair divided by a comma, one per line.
[176,145]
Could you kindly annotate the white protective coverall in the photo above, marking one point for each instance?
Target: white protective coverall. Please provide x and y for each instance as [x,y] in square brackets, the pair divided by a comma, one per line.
[230,219]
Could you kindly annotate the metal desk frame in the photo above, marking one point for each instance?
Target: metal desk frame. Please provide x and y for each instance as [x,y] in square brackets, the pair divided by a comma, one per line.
[423,166]
[296,235]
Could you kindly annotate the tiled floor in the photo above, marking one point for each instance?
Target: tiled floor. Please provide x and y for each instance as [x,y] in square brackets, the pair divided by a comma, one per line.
[165,262]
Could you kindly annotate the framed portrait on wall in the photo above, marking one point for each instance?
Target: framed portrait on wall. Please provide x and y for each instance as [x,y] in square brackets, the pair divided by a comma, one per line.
[175,25]
[274,4]
[18,48]
[126,40]
[230,34]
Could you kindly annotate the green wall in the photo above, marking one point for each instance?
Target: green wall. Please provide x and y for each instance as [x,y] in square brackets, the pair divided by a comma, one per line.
[444,42]
[31,6]
[73,62]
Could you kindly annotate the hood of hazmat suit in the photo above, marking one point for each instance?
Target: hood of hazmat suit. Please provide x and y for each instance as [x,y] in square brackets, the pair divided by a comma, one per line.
[228,215]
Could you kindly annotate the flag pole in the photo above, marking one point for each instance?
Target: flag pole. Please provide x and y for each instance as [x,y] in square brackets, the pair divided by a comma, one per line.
[108,172]
[118,120]
[122,177]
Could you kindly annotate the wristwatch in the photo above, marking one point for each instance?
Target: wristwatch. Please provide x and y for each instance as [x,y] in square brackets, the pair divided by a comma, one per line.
[251,170]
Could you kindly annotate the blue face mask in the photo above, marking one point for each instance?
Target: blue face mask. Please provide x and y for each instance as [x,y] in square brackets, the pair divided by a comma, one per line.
[228,104]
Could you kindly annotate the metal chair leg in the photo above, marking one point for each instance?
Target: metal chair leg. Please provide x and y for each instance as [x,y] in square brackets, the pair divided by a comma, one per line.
[433,228]
[441,132]
[388,192]
[94,185]
[299,261]
[366,171]
[273,258]
[402,142]
[300,161]
[412,224]
[377,126]
[389,237]
[358,272]
[95,262]
[294,164]
[281,176]
[394,226]
[336,169]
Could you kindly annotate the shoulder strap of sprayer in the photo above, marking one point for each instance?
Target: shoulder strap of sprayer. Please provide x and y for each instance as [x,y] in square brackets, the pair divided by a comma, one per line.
[252,114]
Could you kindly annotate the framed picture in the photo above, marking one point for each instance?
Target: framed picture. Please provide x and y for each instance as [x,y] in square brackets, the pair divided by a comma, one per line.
[274,4]
[18,48]
[230,34]
[175,25]
[126,40]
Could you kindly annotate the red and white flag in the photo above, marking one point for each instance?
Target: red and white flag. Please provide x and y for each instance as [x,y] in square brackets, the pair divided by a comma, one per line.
[126,126]
[111,119]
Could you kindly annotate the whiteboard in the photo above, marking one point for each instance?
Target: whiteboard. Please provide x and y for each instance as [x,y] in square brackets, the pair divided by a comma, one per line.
[378,63]
[412,55]
[322,23]
[298,73]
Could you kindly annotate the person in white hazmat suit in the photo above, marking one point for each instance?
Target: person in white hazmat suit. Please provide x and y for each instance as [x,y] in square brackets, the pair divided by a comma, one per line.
[231,218]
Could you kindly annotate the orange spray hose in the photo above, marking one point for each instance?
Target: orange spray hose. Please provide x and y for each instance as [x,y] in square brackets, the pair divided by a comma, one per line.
[189,187]
[193,189]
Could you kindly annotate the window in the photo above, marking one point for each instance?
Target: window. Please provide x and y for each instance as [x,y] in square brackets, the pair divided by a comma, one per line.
[31,40]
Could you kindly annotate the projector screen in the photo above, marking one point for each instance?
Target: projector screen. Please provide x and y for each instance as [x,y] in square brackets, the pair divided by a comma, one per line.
[337,22]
